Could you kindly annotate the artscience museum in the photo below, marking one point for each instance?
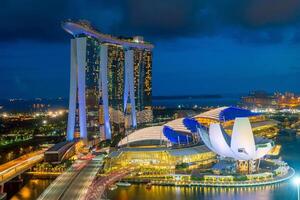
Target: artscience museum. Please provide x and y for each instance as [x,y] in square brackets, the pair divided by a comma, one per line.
[241,146]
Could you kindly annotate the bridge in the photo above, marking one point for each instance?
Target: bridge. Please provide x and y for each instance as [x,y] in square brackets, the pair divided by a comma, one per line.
[99,185]
[75,182]
[18,166]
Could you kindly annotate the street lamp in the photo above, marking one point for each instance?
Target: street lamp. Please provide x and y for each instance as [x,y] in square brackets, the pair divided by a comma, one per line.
[297,183]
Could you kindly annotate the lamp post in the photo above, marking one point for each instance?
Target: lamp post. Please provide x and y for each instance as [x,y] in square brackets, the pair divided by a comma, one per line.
[297,183]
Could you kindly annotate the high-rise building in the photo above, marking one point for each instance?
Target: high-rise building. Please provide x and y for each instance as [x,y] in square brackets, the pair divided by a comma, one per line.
[110,83]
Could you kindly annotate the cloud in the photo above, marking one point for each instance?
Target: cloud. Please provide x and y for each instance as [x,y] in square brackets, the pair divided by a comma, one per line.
[258,13]
[158,18]
[31,19]
[253,20]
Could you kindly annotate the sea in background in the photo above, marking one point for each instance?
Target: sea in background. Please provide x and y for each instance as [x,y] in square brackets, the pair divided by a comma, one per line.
[185,101]
[192,101]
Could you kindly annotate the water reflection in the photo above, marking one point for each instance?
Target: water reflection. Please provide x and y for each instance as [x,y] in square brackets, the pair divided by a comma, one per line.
[32,189]
[279,191]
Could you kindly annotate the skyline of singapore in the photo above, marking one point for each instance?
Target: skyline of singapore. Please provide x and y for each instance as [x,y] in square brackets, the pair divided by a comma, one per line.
[143,100]
[206,46]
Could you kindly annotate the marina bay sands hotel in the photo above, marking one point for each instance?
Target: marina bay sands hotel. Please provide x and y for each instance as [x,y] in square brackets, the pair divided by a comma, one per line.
[110,83]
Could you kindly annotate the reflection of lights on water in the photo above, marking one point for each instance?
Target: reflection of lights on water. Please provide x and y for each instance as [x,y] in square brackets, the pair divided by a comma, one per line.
[31,189]
[26,192]
[177,191]
[35,181]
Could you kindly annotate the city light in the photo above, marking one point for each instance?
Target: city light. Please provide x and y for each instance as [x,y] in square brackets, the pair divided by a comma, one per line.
[296,181]
[54,114]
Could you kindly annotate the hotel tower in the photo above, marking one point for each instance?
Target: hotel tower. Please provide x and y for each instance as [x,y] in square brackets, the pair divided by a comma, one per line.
[110,83]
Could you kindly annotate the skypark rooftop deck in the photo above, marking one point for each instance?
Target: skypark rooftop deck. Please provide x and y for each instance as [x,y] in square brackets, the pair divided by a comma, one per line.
[81,27]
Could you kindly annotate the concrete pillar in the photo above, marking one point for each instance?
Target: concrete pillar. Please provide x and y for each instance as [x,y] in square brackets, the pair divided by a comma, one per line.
[73,92]
[81,63]
[129,85]
[104,89]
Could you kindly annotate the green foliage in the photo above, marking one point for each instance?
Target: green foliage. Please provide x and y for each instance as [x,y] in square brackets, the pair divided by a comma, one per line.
[194,178]
[182,166]
[240,178]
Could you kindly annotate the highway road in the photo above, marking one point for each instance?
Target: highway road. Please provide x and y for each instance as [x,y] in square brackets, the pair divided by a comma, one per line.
[74,183]
[79,187]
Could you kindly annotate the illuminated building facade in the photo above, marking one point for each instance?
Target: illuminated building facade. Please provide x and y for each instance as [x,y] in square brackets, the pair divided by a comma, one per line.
[262,100]
[162,149]
[110,83]
[92,92]
[161,160]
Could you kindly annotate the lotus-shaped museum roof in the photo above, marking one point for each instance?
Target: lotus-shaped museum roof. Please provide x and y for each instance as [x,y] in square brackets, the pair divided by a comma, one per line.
[241,145]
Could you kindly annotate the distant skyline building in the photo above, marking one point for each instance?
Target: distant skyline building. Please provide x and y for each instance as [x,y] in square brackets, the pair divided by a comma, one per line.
[110,83]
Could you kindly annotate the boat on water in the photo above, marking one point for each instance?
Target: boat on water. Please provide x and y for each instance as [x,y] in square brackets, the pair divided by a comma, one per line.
[112,187]
[123,184]
[148,186]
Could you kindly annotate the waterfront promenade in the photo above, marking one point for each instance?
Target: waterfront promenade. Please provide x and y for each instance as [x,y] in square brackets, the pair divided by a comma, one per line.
[190,183]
